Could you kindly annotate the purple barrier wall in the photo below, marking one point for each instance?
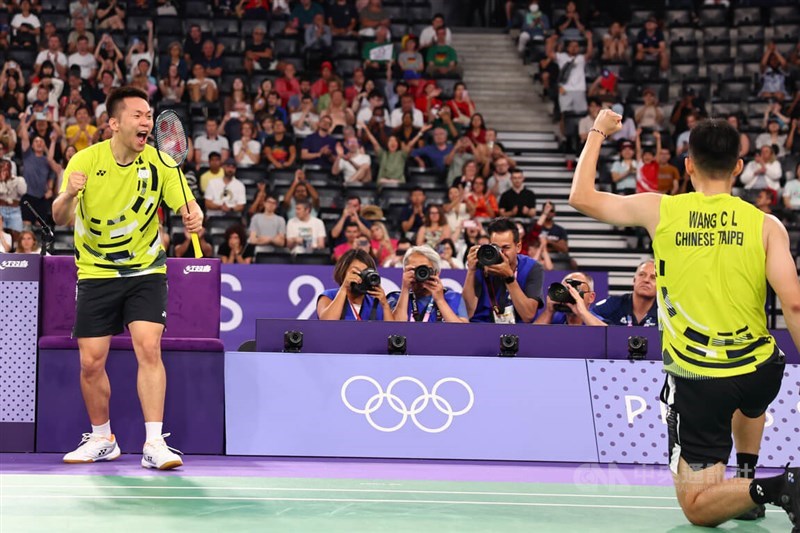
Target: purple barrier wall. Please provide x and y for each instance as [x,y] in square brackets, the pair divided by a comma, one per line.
[433,339]
[410,407]
[630,418]
[19,301]
[250,292]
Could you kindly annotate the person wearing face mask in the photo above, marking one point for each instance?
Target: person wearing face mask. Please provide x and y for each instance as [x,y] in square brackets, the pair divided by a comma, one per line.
[535,26]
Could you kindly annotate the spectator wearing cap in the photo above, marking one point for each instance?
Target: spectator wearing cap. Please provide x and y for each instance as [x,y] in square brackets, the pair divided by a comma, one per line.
[210,141]
[373,17]
[302,17]
[773,136]
[319,148]
[226,195]
[378,53]
[342,18]
[651,46]
[54,55]
[442,58]
[214,170]
[773,74]
[428,35]
[322,85]
[623,172]
[410,60]
[84,59]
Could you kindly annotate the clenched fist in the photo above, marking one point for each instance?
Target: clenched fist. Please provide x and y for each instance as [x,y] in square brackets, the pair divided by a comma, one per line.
[608,122]
[75,183]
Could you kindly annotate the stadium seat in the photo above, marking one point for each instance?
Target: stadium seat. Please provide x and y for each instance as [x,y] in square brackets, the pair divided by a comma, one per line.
[168,25]
[678,17]
[749,51]
[720,70]
[683,71]
[746,15]
[785,13]
[203,22]
[751,34]
[684,52]
[716,33]
[712,16]
[734,89]
[251,175]
[280,177]
[60,20]
[345,47]
[218,224]
[233,45]
[285,46]
[196,7]
[273,258]
[701,86]
[786,32]
[682,34]
[717,51]
[316,258]
[227,26]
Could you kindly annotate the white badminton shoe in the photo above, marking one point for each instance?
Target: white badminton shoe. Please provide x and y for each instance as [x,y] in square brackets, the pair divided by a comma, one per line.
[156,454]
[94,448]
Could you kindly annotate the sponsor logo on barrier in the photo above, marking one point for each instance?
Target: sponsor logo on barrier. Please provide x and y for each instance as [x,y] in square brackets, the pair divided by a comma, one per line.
[189,269]
[417,406]
[13,264]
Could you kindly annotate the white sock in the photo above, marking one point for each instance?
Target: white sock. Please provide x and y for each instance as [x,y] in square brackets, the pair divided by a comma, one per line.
[153,430]
[104,430]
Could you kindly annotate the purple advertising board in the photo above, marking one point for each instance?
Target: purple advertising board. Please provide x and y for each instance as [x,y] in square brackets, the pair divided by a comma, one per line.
[250,292]
[408,407]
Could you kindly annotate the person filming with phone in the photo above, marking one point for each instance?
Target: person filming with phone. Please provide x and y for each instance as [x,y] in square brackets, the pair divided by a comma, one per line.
[502,285]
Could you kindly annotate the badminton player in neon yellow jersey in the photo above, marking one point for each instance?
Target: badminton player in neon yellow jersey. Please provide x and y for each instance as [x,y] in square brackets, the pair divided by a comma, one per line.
[112,192]
[714,254]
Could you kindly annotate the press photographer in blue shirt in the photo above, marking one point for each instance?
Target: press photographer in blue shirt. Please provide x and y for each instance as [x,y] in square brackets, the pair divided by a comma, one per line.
[637,308]
[359,295]
[422,297]
[502,286]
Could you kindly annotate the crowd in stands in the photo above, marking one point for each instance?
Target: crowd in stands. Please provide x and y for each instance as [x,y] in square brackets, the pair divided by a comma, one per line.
[316,128]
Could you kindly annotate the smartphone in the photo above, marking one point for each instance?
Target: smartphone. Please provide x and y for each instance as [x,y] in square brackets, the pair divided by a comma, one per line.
[466,94]
[234,114]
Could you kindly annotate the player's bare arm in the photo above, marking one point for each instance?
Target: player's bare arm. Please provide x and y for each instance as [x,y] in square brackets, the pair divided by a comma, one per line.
[64,204]
[635,210]
[782,273]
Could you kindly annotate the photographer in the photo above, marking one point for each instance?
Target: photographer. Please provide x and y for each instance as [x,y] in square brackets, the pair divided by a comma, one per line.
[422,297]
[636,308]
[502,286]
[359,296]
[570,307]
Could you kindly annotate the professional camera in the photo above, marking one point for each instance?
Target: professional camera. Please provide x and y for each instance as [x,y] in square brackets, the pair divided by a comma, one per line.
[489,254]
[561,296]
[423,273]
[637,348]
[369,280]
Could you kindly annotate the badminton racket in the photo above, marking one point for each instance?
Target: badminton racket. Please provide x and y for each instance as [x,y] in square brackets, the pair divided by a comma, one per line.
[171,141]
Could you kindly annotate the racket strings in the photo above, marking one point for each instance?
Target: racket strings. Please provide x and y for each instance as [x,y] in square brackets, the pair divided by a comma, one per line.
[171,137]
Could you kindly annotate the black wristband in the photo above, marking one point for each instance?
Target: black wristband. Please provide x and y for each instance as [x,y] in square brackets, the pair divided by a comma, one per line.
[509,280]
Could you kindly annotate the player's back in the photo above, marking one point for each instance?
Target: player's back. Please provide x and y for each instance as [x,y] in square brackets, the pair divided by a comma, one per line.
[710,265]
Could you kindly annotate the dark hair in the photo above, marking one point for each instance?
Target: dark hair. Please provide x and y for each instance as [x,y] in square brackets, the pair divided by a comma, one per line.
[517,170]
[344,262]
[502,225]
[427,217]
[714,148]
[596,101]
[353,197]
[374,94]
[304,201]
[416,188]
[83,38]
[214,154]
[437,16]
[450,243]
[238,229]
[116,100]
[351,225]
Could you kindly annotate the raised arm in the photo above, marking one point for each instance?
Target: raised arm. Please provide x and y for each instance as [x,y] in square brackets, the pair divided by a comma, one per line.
[782,273]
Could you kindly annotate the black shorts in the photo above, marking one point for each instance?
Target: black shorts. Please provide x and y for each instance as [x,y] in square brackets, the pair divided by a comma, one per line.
[106,306]
[700,411]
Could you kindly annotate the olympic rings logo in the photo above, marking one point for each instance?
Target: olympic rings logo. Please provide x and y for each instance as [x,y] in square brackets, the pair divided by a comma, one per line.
[417,406]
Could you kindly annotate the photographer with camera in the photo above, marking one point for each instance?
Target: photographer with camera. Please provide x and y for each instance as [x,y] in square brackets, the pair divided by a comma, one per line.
[502,285]
[568,302]
[636,308]
[422,297]
[359,296]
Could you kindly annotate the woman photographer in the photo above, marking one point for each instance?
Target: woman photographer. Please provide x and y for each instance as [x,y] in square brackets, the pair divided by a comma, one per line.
[422,297]
[354,300]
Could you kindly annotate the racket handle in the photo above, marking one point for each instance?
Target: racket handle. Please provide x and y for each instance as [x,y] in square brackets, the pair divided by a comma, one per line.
[198,252]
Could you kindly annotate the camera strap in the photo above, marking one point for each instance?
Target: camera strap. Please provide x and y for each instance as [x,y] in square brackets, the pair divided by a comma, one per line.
[373,313]
[416,315]
[495,301]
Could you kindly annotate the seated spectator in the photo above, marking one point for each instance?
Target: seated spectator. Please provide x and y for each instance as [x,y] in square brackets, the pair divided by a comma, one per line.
[247,151]
[449,255]
[351,214]
[615,43]
[772,137]
[304,233]
[110,15]
[351,235]
[27,243]
[682,143]
[84,59]
[636,308]
[257,51]
[690,104]
[82,134]
[12,94]
[280,149]
[300,189]
[462,108]
[12,189]
[305,120]
[193,45]
[201,88]
[669,177]
[434,229]
[651,46]
[211,62]
[577,314]
[303,16]
[392,159]
[253,9]
[482,203]
[183,246]
[323,85]
[407,106]
[763,201]
[537,250]
[318,42]
[744,140]
[36,171]
[378,54]
[54,54]
[569,26]
[763,172]
[647,166]
[352,163]
[367,103]
[791,192]
[441,58]
[226,195]
[535,26]
[518,200]
[410,60]
[341,116]
[604,87]
[586,123]
[477,130]
[82,8]
[175,58]
[234,248]
[500,180]
[79,30]
[349,301]
[319,148]
[413,216]
[342,18]
[211,141]
[506,293]
[171,87]
[428,35]
[373,17]
[382,245]
[268,229]
[26,26]
[426,301]
[773,84]
[214,170]
[457,210]
[429,102]
[557,237]
[287,85]
[649,116]
[324,101]
[435,152]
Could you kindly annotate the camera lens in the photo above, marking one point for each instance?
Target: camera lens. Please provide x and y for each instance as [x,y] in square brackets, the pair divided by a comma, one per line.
[423,273]
[489,254]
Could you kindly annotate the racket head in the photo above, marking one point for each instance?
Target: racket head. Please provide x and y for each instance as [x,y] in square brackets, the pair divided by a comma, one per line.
[172,143]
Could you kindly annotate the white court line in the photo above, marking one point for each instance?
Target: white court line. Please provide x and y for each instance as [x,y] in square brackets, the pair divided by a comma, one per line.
[332,500]
[383,491]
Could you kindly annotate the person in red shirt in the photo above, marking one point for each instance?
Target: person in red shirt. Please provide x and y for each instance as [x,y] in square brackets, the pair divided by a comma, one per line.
[647,174]
[287,85]
[462,107]
[357,87]
[429,102]
[477,129]
[320,86]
